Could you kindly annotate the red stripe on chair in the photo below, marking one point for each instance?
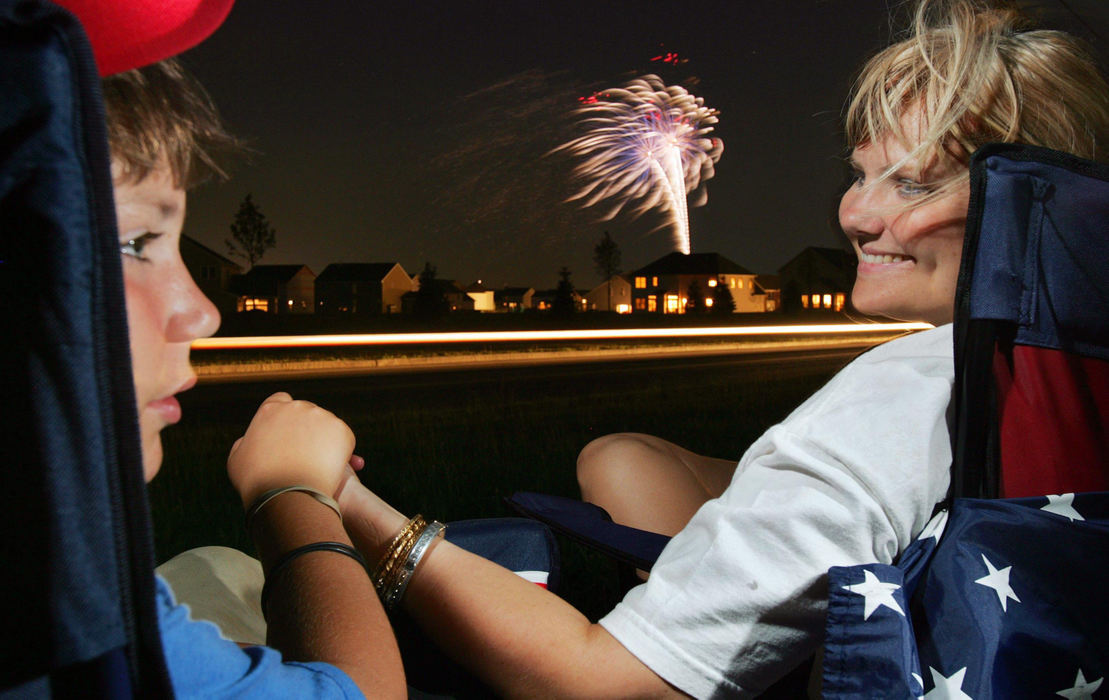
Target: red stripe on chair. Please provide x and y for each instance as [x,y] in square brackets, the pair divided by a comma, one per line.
[1053,422]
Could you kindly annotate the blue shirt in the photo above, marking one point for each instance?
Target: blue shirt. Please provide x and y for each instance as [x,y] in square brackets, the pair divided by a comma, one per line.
[204,664]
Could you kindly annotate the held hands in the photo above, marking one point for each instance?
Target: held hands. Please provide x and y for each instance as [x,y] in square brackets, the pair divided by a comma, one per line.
[370,521]
[291,443]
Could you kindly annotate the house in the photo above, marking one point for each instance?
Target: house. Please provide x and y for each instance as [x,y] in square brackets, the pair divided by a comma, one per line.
[663,285]
[445,296]
[544,300]
[457,298]
[614,294]
[362,288]
[770,287]
[818,279]
[484,299]
[276,289]
[212,272]
[514,299]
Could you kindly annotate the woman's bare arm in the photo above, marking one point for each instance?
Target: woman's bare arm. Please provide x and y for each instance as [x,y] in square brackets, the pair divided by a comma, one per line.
[519,638]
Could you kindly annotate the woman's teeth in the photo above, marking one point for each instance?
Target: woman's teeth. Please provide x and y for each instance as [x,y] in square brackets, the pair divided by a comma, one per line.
[881,259]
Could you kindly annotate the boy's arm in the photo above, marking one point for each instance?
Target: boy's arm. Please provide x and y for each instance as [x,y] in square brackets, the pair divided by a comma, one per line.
[321,606]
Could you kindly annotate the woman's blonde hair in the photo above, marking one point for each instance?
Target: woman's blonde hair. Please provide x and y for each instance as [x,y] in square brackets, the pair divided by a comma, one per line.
[161,112]
[978,74]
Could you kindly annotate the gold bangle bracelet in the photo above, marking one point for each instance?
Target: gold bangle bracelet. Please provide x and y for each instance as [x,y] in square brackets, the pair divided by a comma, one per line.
[397,552]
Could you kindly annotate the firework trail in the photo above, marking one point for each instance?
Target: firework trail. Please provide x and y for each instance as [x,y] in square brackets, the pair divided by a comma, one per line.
[647,147]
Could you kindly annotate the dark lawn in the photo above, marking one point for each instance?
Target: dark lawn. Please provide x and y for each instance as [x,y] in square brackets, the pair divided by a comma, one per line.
[452,445]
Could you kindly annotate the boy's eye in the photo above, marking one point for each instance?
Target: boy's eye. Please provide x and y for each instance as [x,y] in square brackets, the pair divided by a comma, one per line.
[135,246]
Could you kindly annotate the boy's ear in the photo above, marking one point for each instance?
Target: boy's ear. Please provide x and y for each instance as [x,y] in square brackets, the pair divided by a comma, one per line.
[128,34]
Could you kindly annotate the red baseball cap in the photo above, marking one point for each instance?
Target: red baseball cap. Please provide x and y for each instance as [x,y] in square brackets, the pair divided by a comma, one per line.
[128,34]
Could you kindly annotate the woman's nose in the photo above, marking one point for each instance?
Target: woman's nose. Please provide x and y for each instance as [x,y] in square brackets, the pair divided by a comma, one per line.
[858,213]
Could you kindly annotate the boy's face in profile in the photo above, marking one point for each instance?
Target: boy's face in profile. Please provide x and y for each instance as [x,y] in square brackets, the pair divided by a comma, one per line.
[165,309]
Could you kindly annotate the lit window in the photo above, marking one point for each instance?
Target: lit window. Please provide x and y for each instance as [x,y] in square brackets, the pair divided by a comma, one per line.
[816,301]
[827,301]
[739,284]
[641,304]
[712,283]
[841,301]
[673,304]
[731,283]
[652,303]
[805,300]
[624,308]
[640,282]
[654,281]
[254,304]
[708,301]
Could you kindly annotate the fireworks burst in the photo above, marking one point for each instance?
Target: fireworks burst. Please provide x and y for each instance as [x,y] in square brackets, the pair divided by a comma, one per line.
[647,147]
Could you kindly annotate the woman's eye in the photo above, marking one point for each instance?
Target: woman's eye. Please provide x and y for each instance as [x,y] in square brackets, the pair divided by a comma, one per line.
[911,188]
[135,246]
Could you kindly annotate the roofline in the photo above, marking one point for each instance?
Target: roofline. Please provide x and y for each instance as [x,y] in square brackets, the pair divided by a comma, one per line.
[200,245]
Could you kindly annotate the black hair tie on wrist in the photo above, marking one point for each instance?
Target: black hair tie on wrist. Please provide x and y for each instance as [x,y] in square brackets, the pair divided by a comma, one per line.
[288,557]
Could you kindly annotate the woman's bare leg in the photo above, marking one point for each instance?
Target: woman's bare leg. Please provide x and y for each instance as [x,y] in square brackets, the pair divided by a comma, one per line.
[649,483]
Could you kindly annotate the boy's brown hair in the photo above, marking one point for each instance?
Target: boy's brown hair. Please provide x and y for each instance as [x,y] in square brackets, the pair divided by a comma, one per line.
[160,111]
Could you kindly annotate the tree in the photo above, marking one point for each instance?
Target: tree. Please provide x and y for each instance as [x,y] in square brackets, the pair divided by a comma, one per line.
[564,293]
[722,300]
[431,299]
[694,298]
[251,233]
[606,256]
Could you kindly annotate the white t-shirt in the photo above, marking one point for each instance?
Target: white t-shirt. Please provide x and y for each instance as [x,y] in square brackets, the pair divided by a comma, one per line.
[738,597]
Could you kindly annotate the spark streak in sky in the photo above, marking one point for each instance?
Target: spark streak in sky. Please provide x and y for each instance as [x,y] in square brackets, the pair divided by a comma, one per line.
[647,147]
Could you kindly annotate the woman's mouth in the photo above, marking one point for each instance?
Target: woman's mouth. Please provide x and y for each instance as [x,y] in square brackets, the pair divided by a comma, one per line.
[882,258]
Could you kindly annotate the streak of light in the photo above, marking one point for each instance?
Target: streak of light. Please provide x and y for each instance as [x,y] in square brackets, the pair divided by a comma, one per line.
[297,341]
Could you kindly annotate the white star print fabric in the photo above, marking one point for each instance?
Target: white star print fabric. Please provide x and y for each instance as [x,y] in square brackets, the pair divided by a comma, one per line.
[1009,603]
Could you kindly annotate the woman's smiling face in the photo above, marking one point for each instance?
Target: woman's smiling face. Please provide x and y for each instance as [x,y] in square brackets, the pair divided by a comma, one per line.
[908,255]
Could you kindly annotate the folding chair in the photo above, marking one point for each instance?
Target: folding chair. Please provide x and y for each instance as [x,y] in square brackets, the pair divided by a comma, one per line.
[1004,597]
[78,599]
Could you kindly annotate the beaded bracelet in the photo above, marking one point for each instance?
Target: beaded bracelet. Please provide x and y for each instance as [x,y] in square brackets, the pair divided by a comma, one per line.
[288,558]
[274,493]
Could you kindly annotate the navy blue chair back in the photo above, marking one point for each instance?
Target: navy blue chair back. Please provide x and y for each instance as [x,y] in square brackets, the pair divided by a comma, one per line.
[77,599]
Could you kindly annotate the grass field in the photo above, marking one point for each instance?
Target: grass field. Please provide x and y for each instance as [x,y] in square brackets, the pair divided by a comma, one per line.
[453,449]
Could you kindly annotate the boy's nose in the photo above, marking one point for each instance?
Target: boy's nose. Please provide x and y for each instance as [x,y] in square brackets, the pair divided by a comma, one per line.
[194,315]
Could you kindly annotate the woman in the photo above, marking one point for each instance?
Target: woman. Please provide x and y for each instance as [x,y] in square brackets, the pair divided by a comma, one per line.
[652,484]
[323,615]
[737,598]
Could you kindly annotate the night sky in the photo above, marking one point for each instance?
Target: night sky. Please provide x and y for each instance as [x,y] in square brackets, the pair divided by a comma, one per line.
[420,132]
